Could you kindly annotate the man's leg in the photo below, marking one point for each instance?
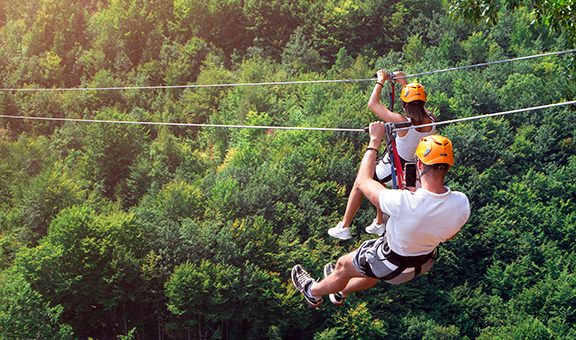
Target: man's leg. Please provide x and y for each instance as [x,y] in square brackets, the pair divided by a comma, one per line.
[338,280]
[357,284]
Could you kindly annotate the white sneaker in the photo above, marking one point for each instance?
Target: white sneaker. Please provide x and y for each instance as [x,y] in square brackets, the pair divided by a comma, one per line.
[375,228]
[340,232]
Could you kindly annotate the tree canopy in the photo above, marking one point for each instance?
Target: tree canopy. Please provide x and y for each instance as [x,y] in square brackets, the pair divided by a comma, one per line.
[143,231]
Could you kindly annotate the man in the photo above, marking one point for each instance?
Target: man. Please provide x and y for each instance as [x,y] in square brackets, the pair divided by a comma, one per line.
[419,221]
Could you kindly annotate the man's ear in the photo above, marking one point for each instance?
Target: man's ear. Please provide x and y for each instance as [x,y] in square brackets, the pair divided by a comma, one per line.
[419,164]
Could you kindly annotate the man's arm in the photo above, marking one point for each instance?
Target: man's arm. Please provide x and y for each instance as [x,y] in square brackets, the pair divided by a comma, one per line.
[369,187]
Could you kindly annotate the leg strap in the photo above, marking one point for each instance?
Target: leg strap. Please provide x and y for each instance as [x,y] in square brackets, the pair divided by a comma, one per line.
[395,273]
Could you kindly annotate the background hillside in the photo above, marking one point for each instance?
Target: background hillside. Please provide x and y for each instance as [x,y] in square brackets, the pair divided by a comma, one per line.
[131,231]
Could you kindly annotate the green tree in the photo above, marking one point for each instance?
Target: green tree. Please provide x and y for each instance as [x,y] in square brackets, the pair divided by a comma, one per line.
[59,27]
[222,23]
[183,61]
[48,193]
[24,313]
[299,56]
[139,216]
[556,14]
[109,153]
[204,295]
[88,264]
[124,27]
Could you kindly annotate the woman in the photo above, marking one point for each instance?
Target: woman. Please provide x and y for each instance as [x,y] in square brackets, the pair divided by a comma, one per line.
[413,99]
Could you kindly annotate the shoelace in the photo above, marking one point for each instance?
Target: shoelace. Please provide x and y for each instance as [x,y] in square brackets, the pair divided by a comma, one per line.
[303,277]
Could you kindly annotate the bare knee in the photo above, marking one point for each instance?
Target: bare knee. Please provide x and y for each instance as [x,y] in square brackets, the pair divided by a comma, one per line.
[345,266]
[339,265]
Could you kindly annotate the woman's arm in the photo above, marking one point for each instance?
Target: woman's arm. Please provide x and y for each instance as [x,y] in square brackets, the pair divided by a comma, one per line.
[400,78]
[374,102]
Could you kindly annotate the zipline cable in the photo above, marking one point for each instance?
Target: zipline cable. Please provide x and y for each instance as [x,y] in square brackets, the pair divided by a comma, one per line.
[190,86]
[79,120]
[502,113]
[103,121]
[297,82]
[487,63]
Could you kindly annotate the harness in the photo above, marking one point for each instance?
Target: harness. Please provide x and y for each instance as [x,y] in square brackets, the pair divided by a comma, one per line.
[404,262]
[395,162]
[383,253]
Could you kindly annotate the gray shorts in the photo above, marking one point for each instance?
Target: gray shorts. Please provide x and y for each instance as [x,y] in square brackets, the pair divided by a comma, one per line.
[371,260]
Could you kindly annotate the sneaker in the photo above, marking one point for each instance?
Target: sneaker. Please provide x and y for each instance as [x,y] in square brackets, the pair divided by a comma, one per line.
[301,280]
[340,232]
[335,298]
[376,229]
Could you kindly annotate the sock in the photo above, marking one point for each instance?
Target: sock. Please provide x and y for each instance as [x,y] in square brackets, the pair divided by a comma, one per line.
[309,290]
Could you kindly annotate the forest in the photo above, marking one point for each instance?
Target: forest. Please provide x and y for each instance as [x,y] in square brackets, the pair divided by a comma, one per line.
[134,231]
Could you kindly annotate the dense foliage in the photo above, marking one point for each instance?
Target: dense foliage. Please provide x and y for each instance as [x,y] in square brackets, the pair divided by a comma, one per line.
[139,231]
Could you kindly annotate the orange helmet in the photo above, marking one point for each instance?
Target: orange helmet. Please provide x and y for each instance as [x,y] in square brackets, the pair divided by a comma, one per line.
[413,92]
[435,149]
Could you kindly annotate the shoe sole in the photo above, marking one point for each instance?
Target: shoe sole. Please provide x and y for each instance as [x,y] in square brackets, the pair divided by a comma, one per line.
[335,301]
[292,275]
[314,305]
[326,271]
[374,233]
[332,296]
[344,238]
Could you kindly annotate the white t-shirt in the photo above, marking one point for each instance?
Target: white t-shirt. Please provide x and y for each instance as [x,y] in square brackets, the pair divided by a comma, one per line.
[421,220]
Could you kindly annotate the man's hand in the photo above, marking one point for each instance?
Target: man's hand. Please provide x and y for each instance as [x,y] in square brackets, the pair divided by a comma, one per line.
[367,185]
[376,131]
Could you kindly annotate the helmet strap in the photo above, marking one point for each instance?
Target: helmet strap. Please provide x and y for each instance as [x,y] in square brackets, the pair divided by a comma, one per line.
[425,169]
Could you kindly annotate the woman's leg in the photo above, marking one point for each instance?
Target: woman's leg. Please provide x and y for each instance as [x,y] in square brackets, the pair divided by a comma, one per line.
[352,206]
[379,216]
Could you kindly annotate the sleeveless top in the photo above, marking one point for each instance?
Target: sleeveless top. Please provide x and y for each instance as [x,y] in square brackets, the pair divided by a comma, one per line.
[407,145]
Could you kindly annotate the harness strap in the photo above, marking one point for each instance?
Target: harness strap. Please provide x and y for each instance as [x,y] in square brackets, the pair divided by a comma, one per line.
[395,273]
[395,163]
[404,262]
[391,145]
[409,261]
[399,170]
